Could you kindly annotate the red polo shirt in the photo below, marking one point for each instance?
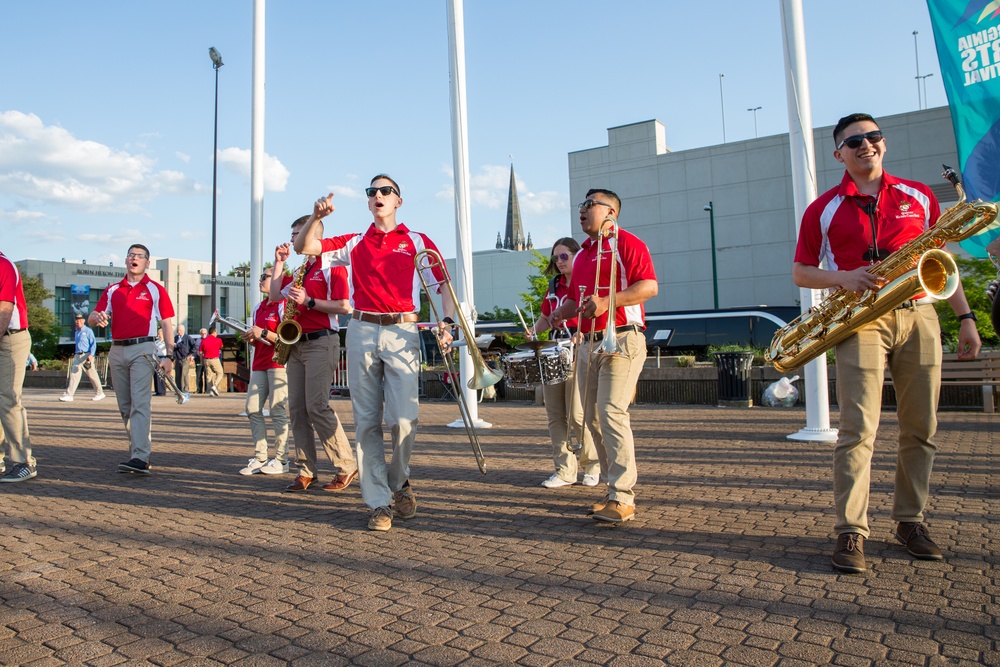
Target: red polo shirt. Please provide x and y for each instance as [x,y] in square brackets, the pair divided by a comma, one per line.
[266,315]
[321,281]
[382,277]
[554,299]
[12,291]
[634,264]
[135,310]
[211,347]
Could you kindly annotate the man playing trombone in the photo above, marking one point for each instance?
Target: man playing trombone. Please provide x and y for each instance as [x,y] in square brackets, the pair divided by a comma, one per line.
[134,306]
[614,272]
[382,341]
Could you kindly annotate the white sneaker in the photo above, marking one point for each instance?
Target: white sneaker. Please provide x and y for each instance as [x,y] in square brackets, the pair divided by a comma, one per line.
[99,397]
[214,391]
[555,482]
[253,466]
[66,398]
[274,467]
[592,480]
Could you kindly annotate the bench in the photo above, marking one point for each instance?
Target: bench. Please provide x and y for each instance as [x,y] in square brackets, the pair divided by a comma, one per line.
[984,371]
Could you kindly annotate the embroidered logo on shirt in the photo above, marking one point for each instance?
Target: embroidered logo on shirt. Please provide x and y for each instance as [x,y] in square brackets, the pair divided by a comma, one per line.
[904,211]
[403,247]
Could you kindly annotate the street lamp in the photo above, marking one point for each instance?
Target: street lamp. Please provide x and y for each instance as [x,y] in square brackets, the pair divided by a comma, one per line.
[722,100]
[216,64]
[755,110]
[244,271]
[715,275]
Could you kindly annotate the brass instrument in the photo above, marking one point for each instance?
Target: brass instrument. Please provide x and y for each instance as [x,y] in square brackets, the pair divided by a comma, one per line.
[483,376]
[182,396]
[289,331]
[609,345]
[234,324]
[918,266]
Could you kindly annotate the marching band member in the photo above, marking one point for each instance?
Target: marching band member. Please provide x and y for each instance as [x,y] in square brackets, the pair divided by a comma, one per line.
[312,361]
[135,305]
[210,350]
[614,376]
[15,346]
[562,401]
[268,384]
[383,343]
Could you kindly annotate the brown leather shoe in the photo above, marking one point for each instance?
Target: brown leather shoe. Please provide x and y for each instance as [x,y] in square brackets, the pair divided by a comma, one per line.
[300,484]
[341,482]
[849,554]
[918,542]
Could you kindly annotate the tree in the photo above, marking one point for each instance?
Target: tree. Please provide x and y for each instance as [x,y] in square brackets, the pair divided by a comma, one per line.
[538,284]
[236,269]
[41,322]
[976,275]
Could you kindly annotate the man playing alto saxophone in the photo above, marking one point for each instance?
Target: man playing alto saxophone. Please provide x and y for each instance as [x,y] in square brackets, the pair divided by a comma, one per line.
[847,230]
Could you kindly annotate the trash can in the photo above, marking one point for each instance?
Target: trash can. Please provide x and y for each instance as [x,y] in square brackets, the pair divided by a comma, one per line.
[734,379]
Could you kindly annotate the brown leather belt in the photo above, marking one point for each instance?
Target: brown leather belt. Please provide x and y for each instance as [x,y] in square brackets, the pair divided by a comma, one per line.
[625,328]
[133,341]
[385,319]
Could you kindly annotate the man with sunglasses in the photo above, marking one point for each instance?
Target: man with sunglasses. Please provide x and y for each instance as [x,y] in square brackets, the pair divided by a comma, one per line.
[383,342]
[612,377]
[847,230]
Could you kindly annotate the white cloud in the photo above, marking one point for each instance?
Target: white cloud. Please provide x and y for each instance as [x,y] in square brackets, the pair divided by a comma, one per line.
[237,160]
[192,236]
[490,186]
[22,216]
[183,157]
[48,164]
[346,192]
[43,236]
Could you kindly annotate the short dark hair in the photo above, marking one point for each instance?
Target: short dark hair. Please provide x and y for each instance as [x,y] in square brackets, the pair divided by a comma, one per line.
[388,178]
[844,122]
[571,243]
[139,245]
[211,331]
[617,200]
[298,222]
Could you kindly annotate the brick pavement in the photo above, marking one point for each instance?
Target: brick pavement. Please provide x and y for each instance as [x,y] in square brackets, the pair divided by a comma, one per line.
[727,561]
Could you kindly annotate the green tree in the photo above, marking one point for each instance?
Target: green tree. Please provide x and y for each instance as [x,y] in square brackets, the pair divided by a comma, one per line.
[538,284]
[976,275]
[41,322]
[236,269]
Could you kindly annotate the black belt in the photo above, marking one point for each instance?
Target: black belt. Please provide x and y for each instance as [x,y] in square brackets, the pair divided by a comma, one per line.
[133,341]
[11,332]
[385,319]
[623,329]
[910,304]
[313,335]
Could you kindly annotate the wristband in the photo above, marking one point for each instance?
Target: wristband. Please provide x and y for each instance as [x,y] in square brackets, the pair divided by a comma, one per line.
[968,316]
[447,320]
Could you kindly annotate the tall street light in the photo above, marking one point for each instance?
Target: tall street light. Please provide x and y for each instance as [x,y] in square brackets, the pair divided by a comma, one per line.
[722,100]
[244,271]
[916,58]
[216,57]
[755,110]
[715,275]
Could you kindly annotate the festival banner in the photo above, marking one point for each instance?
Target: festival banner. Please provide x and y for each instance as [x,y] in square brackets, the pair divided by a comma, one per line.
[967,36]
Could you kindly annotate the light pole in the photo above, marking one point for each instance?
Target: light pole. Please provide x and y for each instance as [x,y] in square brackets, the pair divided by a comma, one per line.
[755,110]
[216,64]
[715,275]
[722,100]
[923,78]
[244,271]
[916,58]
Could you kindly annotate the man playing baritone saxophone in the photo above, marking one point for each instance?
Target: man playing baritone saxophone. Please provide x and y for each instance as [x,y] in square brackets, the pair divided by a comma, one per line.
[847,230]
[383,344]
[312,361]
[613,377]
[268,384]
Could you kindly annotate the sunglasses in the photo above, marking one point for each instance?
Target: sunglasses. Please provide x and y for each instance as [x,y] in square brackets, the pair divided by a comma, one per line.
[854,141]
[590,203]
[265,276]
[562,257]
[386,190]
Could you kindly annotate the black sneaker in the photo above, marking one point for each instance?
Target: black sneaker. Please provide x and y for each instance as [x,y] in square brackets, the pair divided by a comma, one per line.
[19,473]
[849,555]
[918,542]
[136,466]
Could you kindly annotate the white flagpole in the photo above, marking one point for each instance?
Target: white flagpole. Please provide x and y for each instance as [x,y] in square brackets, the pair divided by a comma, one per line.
[257,152]
[463,226]
[803,158]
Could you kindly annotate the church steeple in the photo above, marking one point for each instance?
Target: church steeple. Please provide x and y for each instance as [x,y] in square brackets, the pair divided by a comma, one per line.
[513,232]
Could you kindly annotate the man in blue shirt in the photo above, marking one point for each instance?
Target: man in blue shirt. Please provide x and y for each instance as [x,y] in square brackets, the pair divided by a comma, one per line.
[83,360]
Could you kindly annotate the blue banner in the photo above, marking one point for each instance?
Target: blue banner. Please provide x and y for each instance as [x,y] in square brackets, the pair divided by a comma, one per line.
[967,35]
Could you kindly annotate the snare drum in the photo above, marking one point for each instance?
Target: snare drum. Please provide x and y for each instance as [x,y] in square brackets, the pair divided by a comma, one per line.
[526,369]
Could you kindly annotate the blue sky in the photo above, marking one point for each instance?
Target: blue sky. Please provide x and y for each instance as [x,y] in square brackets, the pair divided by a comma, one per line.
[106,107]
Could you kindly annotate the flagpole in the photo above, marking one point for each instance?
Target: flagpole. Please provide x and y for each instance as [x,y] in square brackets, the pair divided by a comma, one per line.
[257,150]
[804,191]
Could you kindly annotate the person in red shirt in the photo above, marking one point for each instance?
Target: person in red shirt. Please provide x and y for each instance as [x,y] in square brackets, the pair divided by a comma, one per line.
[613,377]
[134,307]
[383,344]
[15,346]
[312,362]
[268,385]
[844,233]
[210,350]
[562,400]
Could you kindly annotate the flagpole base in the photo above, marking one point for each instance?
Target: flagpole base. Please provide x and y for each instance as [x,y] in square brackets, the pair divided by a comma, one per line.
[809,434]
[476,423]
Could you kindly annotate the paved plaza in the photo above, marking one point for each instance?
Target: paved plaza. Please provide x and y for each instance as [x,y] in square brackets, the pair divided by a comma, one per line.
[726,563]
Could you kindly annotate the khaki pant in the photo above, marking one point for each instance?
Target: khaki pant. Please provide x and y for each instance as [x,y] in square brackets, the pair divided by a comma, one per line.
[76,372]
[14,349]
[184,373]
[132,378]
[383,369]
[565,413]
[910,341]
[214,377]
[273,384]
[310,372]
[612,384]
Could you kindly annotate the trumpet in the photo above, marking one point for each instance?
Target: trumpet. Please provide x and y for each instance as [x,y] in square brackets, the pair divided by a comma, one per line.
[182,396]
[234,324]
[483,376]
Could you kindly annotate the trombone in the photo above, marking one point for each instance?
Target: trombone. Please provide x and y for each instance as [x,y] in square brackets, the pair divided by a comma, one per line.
[182,396]
[483,376]
[242,327]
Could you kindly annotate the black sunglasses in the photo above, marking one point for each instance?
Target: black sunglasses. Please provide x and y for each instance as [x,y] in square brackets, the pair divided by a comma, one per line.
[563,256]
[854,141]
[264,275]
[589,203]
[386,190]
